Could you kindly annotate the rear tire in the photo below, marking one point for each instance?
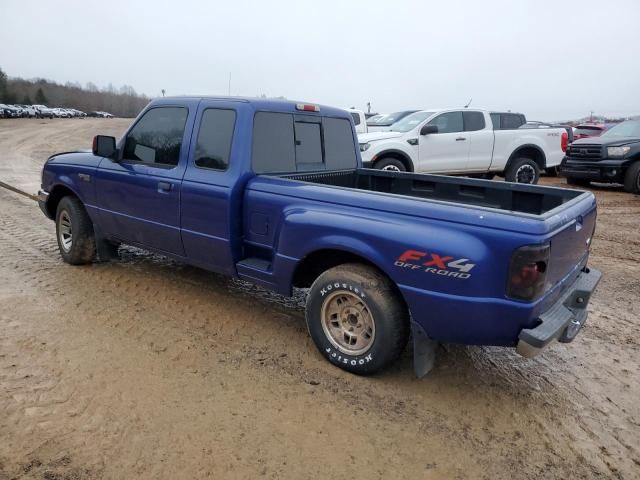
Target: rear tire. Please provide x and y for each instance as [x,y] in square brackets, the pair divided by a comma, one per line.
[632,179]
[74,231]
[523,170]
[357,319]
[390,164]
[578,182]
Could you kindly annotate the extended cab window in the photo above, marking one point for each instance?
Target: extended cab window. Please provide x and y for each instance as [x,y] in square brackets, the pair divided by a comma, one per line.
[214,138]
[356,118]
[157,137]
[473,121]
[449,122]
[511,121]
[284,142]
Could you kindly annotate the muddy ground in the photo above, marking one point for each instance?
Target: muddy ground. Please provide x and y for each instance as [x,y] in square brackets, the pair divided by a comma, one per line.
[146,368]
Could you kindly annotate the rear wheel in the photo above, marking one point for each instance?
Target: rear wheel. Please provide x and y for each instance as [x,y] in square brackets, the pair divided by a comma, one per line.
[632,179]
[390,164]
[579,182]
[523,170]
[74,231]
[356,318]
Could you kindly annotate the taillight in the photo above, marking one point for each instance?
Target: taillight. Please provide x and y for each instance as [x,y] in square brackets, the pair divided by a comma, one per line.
[564,141]
[528,271]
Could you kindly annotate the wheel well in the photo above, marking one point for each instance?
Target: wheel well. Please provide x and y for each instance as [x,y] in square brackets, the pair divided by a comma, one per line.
[406,161]
[57,194]
[318,262]
[529,151]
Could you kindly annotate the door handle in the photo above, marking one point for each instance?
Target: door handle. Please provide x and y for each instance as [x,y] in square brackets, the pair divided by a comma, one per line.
[460,139]
[164,187]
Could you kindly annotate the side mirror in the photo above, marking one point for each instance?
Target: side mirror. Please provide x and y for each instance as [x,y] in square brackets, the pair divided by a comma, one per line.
[427,129]
[104,146]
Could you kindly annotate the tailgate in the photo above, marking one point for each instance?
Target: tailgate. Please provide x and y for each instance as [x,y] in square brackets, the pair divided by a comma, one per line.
[570,244]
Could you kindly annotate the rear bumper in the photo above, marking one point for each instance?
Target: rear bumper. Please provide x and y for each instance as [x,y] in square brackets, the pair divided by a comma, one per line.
[564,319]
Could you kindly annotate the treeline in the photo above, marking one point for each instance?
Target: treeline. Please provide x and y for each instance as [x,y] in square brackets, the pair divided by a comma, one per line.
[121,102]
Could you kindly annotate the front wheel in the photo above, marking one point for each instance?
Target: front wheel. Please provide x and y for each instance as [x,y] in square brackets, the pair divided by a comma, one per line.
[357,319]
[523,170]
[74,231]
[632,179]
[390,164]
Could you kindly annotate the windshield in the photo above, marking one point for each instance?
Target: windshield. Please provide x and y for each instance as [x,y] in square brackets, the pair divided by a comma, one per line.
[390,118]
[588,130]
[630,128]
[411,121]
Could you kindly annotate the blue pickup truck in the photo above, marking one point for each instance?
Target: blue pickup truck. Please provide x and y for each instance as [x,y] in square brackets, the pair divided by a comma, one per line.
[274,193]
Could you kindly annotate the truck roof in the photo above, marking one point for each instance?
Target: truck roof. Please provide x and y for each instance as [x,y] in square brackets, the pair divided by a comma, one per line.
[269,104]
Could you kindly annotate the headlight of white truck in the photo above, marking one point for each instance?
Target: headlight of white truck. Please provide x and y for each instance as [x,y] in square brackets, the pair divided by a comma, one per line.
[364,147]
[616,152]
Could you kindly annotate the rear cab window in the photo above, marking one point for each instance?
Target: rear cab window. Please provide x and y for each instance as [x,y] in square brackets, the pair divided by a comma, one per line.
[288,142]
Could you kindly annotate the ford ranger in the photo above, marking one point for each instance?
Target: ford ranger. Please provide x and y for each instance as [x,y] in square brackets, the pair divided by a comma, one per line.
[273,192]
[465,142]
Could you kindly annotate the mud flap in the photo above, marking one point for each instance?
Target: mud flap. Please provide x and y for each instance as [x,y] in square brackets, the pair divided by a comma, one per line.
[105,250]
[424,351]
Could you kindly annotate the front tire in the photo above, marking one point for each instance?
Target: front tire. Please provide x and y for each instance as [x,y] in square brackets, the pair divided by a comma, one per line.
[632,179]
[357,319]
[74,231]
[523,170]
[390,164]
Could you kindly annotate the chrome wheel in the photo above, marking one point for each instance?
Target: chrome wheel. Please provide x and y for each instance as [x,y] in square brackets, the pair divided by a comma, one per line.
[348,323]
[526,174]
[391,168]
[65,232]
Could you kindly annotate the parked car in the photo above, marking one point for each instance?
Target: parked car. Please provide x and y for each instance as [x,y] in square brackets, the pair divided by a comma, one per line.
[587,130]
[61,113]
[359,120]
[44,112]
[613,157]
[385,122]
[11,111]
[272,192]
[463,142]
[28,111]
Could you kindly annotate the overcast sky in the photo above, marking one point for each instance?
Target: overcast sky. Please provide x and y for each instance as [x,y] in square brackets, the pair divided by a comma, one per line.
[551,60]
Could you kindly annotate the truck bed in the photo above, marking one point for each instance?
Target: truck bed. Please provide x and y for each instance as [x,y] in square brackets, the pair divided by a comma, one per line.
[512,197]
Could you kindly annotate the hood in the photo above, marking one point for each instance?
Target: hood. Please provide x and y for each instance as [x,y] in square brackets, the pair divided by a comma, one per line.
[80,157]
[375,136]
[605,141]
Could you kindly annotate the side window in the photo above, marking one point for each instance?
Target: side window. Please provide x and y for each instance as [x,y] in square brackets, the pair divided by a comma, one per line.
[495,119]
[273,143]
[339,147]
[449,122]
[473,121]
[214,138]
[308,143]
[156,139]
[356,118]
[511,121]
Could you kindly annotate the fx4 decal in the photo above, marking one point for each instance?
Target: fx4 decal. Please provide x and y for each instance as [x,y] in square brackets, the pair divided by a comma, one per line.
[436,264]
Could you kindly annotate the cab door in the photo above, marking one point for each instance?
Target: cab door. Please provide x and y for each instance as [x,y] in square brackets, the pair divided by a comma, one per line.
[447,150]
[480,137]
[138,194]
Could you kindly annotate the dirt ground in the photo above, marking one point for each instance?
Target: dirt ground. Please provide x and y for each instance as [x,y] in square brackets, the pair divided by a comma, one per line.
[146,368]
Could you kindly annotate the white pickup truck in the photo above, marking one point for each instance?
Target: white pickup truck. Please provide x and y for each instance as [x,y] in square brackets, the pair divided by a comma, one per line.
[463,142]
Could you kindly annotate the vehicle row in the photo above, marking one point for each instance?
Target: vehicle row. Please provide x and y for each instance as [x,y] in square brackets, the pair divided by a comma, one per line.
[42,111]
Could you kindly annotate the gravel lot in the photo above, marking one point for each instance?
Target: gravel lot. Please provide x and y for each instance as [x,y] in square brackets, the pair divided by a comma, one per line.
[146,368]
